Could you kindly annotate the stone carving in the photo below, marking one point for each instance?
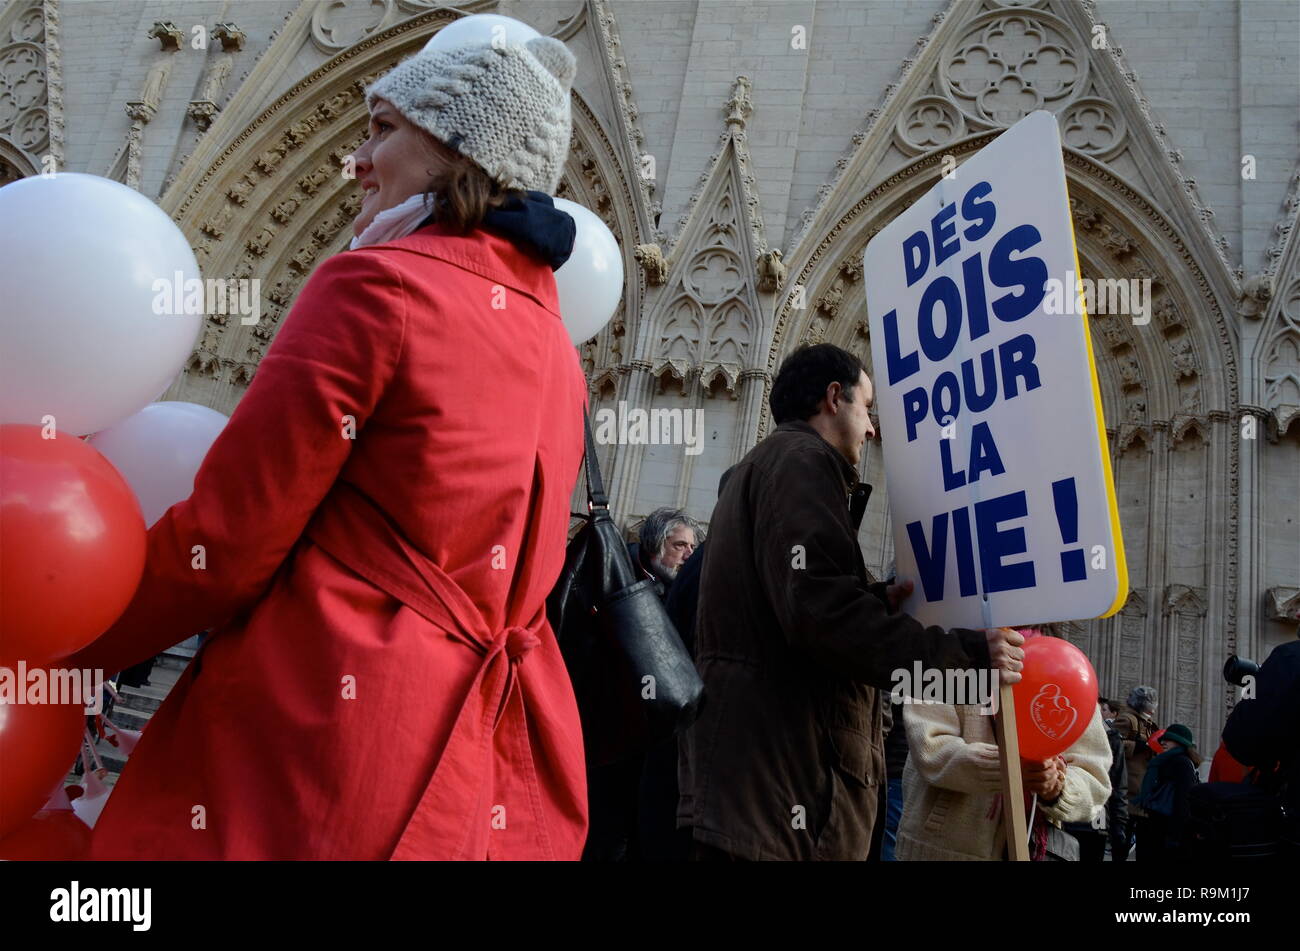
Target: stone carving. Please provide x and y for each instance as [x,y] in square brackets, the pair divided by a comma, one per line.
[1283,604]
[1006,65]
[23,95]
[771,272]
[216,78]
[216,225]
[739,107]
[1185,600]
[283,211]
[1112,330]
[154,83]
[1184,356]
[312,182]
[1135,406]
[269,160]
[332,32]
[667,369]
[240,190]
[829,303]
[1167,315]
[167,34]
[720,377]
[232,37]
[1282,362]
[1256,292]
[202,111]
[1094,126]
[651,259]
[260,241]
[929,123]
[1129,370]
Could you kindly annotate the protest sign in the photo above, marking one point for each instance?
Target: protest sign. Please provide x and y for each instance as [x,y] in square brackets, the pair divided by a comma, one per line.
[995,448]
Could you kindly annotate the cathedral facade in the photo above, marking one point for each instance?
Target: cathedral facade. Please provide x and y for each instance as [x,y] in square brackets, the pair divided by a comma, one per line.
[743,154]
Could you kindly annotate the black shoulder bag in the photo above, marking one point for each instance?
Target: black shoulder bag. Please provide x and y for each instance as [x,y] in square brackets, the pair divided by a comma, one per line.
[635,683]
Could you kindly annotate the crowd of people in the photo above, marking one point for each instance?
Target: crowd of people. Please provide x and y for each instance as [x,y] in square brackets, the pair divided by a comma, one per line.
[380,679]
[796,754]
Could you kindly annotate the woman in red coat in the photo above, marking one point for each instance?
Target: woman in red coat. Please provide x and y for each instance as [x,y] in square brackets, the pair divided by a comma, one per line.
[373,536]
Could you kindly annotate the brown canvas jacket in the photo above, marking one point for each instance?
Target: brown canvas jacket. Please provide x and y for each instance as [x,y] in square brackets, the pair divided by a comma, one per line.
[793,644]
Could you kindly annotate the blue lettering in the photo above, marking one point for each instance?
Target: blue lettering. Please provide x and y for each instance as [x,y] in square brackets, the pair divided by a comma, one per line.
[997,544]
[930,560]
[972,208]
[1029,273]
[945,233]
[916,257]
[897,367]
[942,289]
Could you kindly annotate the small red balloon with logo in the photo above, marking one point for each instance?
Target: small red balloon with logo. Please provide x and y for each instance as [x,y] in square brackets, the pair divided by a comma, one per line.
[1055,698]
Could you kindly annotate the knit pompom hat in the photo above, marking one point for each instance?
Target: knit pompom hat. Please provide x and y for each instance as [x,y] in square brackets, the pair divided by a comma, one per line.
[504,106]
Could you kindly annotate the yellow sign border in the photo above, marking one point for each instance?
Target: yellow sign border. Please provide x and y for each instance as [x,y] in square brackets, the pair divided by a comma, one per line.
[1112,503]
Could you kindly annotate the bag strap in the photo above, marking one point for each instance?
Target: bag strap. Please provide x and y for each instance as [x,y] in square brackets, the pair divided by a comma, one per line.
[596,496]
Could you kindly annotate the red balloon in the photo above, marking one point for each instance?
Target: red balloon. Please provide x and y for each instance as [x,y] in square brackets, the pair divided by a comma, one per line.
[72,545]
[38,743]
[1055,698]
[52,835]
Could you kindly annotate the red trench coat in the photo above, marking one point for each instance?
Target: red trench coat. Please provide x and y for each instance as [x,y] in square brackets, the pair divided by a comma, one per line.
[381,681]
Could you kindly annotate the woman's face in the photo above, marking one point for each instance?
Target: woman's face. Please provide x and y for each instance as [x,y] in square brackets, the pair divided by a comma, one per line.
[392,164]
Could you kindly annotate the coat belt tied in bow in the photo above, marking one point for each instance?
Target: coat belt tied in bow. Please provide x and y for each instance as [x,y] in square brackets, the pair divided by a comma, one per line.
[454,804]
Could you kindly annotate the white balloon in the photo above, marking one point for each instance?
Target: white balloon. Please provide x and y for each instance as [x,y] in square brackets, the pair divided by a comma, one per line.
[159,450]
[79,338]
[481,29]
[591,281]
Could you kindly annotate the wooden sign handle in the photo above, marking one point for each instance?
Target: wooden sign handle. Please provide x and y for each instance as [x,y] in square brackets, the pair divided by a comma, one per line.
[1013,796]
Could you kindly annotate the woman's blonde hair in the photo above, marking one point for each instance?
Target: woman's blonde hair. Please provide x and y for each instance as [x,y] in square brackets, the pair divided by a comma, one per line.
[462,192]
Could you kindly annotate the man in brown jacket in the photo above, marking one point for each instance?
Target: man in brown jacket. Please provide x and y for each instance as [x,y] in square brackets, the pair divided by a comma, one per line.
[794,643]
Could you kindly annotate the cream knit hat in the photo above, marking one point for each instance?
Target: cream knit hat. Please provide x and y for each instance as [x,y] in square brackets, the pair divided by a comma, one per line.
[506,107]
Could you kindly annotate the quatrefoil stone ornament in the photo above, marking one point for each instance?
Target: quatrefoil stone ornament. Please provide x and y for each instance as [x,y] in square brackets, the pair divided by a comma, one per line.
[1008,64]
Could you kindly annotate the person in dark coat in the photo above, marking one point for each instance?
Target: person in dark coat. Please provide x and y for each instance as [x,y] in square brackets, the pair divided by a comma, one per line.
[1165,785]
[658,838]
[895,763]
[1263,731]
[794,643]
[622,795]
[1117,819]
[1092,836]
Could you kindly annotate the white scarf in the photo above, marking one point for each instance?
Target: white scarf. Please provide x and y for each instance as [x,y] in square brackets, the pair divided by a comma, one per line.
[393,223]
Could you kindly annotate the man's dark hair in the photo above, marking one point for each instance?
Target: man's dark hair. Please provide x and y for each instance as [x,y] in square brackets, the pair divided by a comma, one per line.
[804,375]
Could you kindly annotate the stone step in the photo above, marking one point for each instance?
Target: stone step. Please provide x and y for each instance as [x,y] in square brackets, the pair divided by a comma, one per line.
[128,718]
[144,699]
[136,705]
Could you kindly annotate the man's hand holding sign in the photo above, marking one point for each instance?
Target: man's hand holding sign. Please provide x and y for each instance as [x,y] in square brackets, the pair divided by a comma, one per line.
[994,443]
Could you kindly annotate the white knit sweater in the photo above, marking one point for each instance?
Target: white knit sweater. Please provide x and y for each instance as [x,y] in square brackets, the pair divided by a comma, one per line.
[952,784]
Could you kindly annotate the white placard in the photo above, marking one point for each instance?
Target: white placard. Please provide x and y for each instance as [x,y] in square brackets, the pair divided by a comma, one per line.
[994,443]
